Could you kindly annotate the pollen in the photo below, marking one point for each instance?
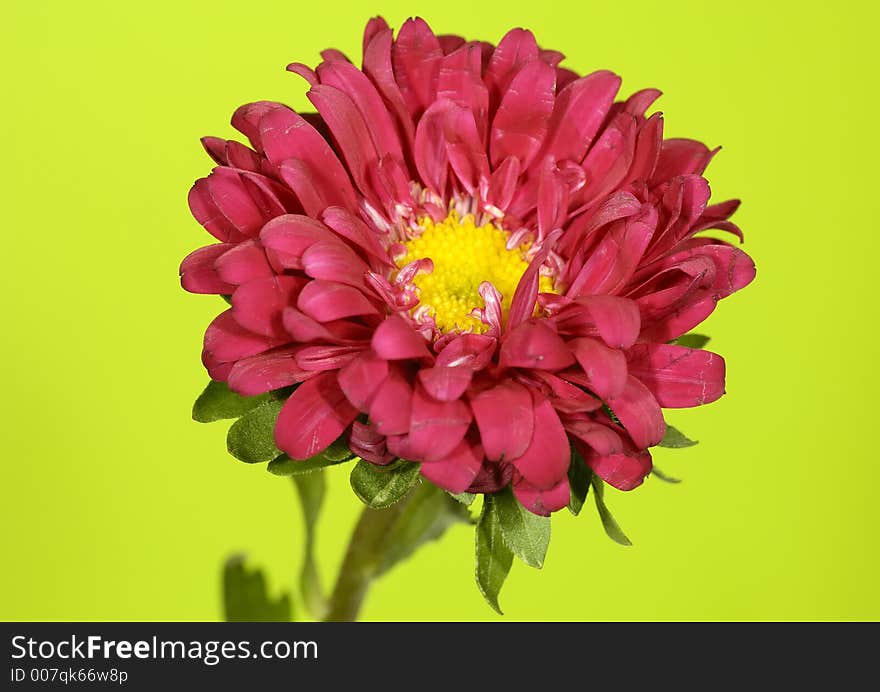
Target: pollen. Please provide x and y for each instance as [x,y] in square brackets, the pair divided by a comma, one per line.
[464,256]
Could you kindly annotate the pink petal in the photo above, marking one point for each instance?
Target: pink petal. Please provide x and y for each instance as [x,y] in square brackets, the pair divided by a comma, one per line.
[436,427]
[313,417]
[362,377]
[392,404]
[502,183]
[492,477]
[520,125]
[197,273]
[244,262]
[356,232]
[366,443]
[456,471]
[545,462]
[266,372]
[431,157]
[416,58]
[351,81]
[226,340]
[616,320]
[334,261]
[535,344]
[258,305]
[377,66]
[610,158]
[286,135]
[639,412]
[682,157]
[616,257]
[566,397]
[326,301]
[233,200]
[208,215]
[623,471]
[395,339]
[605,368]
[516,49]
[678,377]
[321,357]
[303,328]
[579,111]
[600,438]
[460,81]
[506,419]
[473,351]
[288,237]
[446,384]
[542,502]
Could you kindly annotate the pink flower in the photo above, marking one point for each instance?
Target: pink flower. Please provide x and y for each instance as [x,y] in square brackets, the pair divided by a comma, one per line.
[469,258]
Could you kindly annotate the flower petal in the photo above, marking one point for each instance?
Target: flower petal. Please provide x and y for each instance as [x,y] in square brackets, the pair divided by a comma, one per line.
[258,305]
[535,345]
[391,405]
[446,384]
[604,367]
[197,272]
[677,376]
[639,412]
[395,339]
[362,377]
[456,471]
[266,372]
[623,471]
[326,301]
[436,427]
[506,419]
[545,462]
[313,417]
[542,502]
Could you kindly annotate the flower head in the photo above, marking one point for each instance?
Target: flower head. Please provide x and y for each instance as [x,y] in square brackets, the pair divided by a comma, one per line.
[469,257]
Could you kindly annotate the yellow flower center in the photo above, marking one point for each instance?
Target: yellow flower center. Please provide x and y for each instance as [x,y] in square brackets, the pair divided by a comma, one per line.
[464,256]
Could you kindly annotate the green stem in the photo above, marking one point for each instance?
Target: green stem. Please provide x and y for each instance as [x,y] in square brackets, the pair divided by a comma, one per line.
[365,550]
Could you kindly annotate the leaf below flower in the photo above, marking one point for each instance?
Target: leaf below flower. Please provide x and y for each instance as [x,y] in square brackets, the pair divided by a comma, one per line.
[692,340]
[245,597]
[283,465]
[526,534]
[660,476]
[493,557]
[579,476]
[675,439]
[219,402]
[380,487]
[251,438]
[612,528]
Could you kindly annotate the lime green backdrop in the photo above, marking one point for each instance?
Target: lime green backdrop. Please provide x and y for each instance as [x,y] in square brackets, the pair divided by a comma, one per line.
[116,506]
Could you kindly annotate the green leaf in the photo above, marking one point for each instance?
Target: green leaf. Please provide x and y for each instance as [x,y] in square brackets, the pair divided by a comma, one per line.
[426,516]
[245,597]
[338,451]
[493,557]
[466,499]
[612,528]
[283,465]
[526,534]
[579,475]
[251,438]
[692,340]
[675,439]
[379,487]
[660,476]
[311,489]
[219,402]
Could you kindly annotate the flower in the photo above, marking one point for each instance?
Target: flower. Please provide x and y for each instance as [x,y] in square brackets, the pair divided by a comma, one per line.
[469,257]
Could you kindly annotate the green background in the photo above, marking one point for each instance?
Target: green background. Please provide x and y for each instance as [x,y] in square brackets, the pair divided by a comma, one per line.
[116,506]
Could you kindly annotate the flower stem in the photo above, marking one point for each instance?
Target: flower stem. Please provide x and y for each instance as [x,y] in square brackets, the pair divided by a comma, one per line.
[362,559]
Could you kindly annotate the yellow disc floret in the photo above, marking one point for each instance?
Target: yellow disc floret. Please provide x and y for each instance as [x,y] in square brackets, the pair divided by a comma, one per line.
[464,256]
